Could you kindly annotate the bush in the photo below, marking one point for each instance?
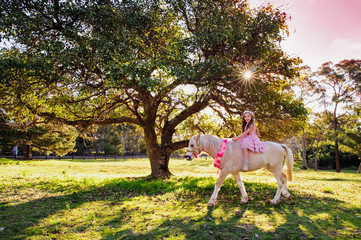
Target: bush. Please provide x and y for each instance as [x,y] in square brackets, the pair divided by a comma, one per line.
[327,157]
[110,149]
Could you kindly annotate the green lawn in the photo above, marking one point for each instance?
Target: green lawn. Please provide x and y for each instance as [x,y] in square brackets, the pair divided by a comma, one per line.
[105,199]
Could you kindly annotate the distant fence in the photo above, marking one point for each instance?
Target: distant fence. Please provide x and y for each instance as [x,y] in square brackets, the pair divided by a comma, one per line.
[74,157]
[84,157]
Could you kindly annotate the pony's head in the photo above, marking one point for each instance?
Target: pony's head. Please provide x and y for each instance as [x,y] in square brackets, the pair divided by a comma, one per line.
[193,148]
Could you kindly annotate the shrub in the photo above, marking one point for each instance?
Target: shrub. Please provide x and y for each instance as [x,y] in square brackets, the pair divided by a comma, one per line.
[327,157]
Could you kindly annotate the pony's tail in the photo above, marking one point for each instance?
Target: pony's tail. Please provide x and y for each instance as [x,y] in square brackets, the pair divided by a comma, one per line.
[289,162]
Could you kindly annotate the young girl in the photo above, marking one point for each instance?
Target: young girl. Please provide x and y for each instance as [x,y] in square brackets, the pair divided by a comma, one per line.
[249,138]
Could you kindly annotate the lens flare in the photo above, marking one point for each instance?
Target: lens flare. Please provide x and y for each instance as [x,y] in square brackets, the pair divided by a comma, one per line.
[247,75]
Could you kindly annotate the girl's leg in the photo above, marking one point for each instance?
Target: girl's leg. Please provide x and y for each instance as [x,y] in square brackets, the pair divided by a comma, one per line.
[245,159]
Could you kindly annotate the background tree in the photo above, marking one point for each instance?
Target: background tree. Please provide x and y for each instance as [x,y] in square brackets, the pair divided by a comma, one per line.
[48,138]
[304,88]
[120,139]
[338,85]
[149,63]
[352,134]
[83,145]
[317,132]
[8,135]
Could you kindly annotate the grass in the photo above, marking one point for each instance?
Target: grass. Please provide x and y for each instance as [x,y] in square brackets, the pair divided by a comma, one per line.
[113,200]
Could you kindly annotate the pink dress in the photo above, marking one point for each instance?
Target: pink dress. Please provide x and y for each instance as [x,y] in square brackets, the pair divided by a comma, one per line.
[252,142]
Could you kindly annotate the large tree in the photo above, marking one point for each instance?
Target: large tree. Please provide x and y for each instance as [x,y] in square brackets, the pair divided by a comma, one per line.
[153,63]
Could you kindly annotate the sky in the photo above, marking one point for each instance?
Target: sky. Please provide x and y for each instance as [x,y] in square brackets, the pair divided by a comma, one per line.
[321,30]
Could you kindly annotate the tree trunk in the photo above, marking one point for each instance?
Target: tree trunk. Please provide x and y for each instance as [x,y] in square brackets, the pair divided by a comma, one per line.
[335,128]
[316,157]
[338,163]
[123,144]
[159,162]
[159,155]
[28,152]
[96,146]
[304,160]
[359,168]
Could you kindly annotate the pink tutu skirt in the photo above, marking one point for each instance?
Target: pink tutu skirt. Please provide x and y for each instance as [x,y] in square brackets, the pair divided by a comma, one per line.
[252,142]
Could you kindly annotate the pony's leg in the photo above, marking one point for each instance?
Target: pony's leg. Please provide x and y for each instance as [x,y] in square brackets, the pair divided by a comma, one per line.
[217,186]
[284,187]
[280,182]
[240,184]
[245,159]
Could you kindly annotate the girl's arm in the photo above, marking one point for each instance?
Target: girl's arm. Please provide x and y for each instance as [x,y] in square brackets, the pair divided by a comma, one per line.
[239,137]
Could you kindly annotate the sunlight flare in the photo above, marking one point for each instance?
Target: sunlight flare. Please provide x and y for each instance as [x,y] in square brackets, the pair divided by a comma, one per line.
[246,74]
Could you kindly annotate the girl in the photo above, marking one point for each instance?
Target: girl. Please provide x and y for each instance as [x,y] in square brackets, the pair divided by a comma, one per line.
[249,138]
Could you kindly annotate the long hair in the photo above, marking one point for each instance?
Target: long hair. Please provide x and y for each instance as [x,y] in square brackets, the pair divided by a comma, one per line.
[244,123]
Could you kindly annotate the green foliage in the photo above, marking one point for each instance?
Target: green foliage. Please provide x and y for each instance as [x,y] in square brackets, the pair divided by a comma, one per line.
[351,134]
[122,138]
[8,135]
[83,146]
[50,138]
[110,149]
[326,157]
[113,139]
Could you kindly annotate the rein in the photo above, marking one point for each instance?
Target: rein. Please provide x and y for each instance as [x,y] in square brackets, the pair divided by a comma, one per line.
[198,144]
[219,155]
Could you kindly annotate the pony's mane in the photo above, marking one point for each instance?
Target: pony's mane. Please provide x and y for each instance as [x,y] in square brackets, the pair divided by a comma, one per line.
[211,141]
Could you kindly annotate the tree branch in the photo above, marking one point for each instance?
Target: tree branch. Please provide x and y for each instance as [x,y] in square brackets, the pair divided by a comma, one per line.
[196,107]
[80,122]
[180,144]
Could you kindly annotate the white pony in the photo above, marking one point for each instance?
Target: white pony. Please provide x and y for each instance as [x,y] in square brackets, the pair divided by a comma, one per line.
[232,162]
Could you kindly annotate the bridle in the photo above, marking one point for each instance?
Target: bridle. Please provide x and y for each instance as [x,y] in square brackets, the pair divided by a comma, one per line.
[198,141]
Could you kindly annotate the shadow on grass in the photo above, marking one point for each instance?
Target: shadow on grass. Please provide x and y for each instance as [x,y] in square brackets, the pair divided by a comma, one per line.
[103,160]
[336,180]
[291,219]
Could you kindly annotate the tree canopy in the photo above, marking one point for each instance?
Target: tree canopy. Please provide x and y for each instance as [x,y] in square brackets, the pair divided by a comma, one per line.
[152,63]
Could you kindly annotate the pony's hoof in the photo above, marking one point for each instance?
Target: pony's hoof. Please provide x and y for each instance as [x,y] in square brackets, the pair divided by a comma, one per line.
[243,201]
[273,202]
[288,196]
[210,204]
